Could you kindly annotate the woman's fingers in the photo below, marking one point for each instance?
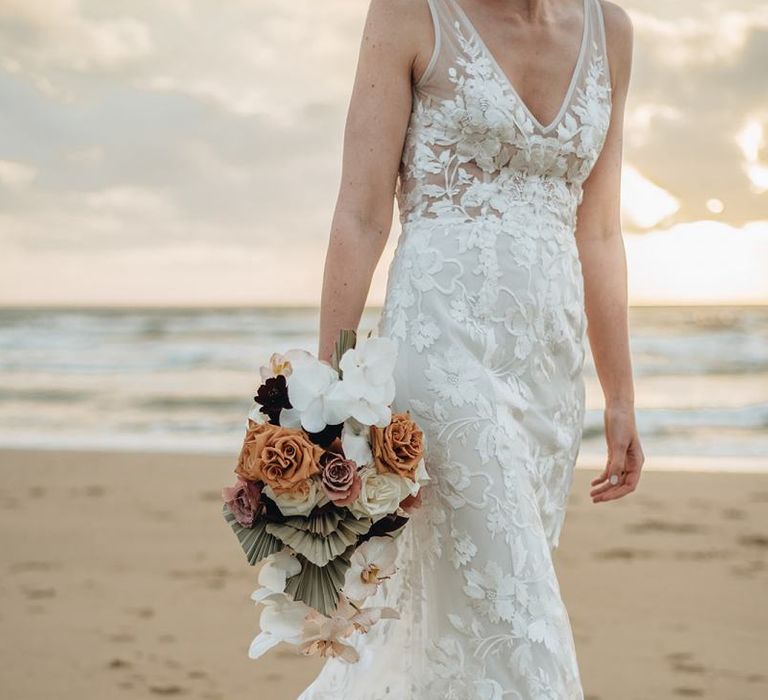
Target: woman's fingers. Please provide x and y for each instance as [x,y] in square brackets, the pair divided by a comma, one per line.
[633,465]
[614,468]
[613,493]
[600,477]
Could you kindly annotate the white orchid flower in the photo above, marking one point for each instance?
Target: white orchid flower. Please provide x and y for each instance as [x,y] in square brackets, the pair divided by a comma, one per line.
[274,572]
[364,618]
[367,387]
[283,364]
[282,620]
[371,562]
[370,364]
[356,442]
[308,386]
[323,635]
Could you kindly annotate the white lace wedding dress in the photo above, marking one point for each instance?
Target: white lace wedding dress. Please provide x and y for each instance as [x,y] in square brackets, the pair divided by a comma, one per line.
[485,296]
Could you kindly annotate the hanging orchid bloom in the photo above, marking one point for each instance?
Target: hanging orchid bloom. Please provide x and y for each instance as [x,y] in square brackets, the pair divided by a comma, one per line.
[283,364]
[308,387]
[367,387]
[282,620]
[275,571]
[372,562]
[323,635]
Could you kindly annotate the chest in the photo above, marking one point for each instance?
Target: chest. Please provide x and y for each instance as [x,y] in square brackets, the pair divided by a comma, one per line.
[537,58]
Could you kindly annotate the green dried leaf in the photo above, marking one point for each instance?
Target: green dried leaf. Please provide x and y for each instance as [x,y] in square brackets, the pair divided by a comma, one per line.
[347,339]
[256,542]
[319,586]
[320,548]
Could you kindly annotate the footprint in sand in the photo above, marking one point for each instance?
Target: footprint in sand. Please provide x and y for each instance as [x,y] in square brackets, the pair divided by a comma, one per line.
[38,593]
[754,539]
[121,637]
[23,566]
[733,514]
[664,526]
[625,553]
[703,554]
[143,612]
[683,662]
[166,689]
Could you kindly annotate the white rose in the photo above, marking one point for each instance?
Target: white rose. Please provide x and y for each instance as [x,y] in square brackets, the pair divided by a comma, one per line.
[380,494]
[299,503]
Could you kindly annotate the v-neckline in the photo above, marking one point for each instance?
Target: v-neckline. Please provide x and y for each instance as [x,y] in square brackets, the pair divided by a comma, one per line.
[574,75]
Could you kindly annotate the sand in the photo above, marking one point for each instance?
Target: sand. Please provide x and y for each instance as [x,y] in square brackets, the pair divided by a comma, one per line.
[122,580]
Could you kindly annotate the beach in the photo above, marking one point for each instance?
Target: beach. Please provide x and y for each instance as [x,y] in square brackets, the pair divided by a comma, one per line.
[122,580]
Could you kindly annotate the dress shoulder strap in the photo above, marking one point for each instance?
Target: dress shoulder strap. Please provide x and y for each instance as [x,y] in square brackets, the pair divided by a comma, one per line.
[599,46]
[446,46]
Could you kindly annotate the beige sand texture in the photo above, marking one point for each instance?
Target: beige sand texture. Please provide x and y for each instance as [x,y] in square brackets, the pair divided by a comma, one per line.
[122,580]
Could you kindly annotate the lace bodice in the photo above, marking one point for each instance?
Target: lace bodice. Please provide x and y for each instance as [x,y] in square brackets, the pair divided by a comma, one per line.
[473,144]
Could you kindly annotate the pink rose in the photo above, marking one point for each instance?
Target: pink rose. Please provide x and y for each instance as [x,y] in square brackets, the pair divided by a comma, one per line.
[339,478]
[244,500]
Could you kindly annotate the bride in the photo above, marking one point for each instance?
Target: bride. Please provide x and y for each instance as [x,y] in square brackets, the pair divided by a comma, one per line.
[497,126]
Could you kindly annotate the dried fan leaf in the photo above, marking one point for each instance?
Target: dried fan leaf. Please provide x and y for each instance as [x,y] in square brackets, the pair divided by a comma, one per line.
[321,523]
[347,339]
[320,549]
[256,542]
[319,586]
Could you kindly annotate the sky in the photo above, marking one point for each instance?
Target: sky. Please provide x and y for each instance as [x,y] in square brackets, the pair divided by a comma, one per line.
[189,152]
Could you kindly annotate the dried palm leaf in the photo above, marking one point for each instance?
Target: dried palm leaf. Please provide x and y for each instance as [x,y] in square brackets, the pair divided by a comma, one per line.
[256,542]
[320,548]
[319,586]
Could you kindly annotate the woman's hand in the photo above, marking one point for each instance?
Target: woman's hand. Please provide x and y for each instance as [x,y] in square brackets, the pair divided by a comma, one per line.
[625,456]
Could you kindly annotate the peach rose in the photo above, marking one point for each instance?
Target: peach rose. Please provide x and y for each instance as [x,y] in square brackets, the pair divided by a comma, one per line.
[399,447]
[283,458]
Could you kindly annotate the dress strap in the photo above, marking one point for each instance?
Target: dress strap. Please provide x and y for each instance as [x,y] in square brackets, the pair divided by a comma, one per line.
[597,38]
[446,46]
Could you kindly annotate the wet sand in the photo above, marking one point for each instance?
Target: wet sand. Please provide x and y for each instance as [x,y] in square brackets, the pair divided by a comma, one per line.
[122,580]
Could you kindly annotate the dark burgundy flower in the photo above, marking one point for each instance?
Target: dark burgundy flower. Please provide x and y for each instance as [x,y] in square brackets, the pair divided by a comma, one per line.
[272,396]
[327,435]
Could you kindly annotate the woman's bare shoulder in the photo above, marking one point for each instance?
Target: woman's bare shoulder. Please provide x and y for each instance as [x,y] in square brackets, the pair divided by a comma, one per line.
[402,26]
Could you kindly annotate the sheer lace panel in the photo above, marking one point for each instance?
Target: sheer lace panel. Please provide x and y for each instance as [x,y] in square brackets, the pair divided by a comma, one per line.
[472,141]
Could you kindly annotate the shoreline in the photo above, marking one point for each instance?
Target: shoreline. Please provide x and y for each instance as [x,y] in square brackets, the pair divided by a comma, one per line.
[586,461]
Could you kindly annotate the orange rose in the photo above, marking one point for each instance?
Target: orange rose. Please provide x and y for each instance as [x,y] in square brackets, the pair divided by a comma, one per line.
[283,458]
[399,447]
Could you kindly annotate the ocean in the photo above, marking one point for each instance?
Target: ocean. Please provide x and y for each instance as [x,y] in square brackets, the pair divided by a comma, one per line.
[183,379]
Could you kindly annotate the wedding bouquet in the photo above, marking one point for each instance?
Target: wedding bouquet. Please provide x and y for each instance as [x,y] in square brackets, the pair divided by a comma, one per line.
[327,478]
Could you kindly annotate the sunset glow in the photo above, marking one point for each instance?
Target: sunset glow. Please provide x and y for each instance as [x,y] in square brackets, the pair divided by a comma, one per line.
[139,168]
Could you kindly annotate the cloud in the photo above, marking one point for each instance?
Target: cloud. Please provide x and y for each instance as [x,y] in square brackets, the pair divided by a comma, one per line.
[751,141]
[136,127]
[643,203]
[14,175]
[699,262]
[55,35]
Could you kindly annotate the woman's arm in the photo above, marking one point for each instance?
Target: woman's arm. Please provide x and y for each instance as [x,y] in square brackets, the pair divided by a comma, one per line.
[603,260]
[375,130]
